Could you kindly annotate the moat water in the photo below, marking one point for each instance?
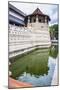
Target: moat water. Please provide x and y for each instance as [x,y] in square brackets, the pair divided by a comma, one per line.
[36,67]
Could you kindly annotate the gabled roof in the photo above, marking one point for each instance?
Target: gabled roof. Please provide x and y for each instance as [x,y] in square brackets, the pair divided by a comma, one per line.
[37,11]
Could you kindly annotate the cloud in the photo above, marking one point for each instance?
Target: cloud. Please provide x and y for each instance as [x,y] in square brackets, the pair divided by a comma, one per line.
[54,15]
[49,9]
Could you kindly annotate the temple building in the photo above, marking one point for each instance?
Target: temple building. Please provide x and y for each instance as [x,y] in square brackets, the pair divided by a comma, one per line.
[36,17]
[27,32]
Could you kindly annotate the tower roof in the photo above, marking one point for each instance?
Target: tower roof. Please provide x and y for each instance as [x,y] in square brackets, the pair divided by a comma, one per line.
[37,11]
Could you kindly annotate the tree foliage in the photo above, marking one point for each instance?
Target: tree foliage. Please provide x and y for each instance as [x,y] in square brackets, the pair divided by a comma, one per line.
[54,31]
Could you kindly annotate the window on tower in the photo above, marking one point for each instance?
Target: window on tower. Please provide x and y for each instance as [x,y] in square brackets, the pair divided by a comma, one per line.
[39,20]
[34,20]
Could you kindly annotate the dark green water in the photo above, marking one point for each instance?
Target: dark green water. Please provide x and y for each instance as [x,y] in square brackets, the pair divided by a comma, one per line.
[37,67]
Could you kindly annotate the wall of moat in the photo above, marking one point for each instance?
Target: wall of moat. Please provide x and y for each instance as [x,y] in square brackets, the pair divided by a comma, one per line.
[23,39]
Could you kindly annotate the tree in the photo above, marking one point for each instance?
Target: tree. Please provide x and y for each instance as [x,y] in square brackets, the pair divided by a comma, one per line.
[54,31]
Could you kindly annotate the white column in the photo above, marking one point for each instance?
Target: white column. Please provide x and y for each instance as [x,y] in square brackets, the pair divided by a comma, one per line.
[45,19]
[36,18]
[28,19]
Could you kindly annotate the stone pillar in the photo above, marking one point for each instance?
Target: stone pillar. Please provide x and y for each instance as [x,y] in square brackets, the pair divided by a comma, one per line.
[45,19]
[29,24]
[28,19]
[36,18]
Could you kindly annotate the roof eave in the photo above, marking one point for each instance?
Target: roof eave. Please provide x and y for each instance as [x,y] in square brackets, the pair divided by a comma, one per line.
[39,14]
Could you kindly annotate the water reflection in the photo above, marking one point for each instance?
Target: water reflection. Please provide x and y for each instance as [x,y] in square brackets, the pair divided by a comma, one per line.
[53,51]
[39,63]
[36,67]
[41,80]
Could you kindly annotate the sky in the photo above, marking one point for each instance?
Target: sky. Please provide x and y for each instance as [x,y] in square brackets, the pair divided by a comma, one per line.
[50,9]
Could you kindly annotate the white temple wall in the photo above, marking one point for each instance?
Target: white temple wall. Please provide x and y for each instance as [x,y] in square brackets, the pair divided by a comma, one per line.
[40,26]
[25,38]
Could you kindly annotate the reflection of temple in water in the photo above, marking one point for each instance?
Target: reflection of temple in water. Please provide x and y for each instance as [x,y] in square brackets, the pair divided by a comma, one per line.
[34,63]
[53,51]
[39,66]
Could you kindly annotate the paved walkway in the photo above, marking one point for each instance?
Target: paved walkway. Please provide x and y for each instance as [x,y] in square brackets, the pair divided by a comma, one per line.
[17,84]
[55,76]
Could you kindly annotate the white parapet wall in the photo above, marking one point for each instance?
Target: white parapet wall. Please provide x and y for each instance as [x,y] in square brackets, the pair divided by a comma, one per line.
[23,39]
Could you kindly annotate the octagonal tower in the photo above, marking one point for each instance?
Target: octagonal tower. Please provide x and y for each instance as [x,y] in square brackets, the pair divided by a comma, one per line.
[39,24]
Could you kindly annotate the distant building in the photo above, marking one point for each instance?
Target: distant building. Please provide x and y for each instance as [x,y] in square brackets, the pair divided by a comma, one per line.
[16,16]
[26,32]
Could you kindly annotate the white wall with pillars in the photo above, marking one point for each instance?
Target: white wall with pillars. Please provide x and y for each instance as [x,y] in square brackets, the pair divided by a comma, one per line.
[37,18]
[25,37]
